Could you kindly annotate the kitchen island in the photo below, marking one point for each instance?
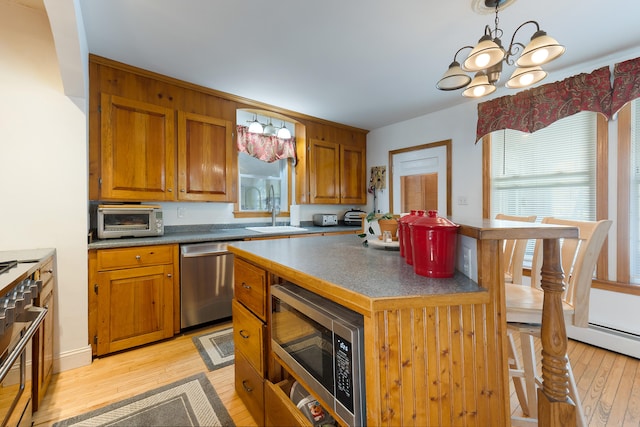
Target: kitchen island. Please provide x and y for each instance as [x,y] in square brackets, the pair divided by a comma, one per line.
[435,349]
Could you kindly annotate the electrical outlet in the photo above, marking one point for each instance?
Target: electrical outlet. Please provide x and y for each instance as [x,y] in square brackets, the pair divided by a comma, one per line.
[466,261]
[182,212]
[462,200]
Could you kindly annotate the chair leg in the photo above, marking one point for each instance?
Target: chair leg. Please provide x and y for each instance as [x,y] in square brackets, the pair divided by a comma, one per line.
[529,365]
[515,368]
[573,393]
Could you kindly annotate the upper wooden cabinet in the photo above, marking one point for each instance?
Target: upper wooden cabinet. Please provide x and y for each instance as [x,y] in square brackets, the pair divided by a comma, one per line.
[206,168]
[138,145]
[336,173]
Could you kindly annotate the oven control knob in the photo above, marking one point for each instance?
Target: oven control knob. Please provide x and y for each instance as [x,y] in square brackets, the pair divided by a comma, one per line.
[25,292]
[18,302]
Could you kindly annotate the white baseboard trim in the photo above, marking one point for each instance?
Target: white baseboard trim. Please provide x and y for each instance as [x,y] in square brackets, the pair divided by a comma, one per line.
[73,359]
[610,339]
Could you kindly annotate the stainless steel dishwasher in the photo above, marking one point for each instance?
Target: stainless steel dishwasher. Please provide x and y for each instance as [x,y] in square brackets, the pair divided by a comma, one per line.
[206,283]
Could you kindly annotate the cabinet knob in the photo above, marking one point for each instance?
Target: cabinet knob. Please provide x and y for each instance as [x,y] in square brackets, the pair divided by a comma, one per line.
[138,257]
[169,190]
[169,275]
[182,190]
[244,285]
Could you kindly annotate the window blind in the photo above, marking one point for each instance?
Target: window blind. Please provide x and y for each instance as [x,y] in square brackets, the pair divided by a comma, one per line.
[551,172]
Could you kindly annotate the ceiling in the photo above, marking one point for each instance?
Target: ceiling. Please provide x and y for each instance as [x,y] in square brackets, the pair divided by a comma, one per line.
[364,63]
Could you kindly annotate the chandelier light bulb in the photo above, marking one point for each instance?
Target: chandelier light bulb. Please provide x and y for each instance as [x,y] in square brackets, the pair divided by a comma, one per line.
[482,60]
[540,56]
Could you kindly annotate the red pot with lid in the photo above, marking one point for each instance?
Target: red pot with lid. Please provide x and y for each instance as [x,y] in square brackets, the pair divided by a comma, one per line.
[433,241]
[405,235]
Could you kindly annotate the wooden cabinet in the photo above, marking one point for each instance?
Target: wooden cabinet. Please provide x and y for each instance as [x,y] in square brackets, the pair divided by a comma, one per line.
[336,173]
[282,411]
[249,335]
[155,140]
[133,296]
[138,145]
[43,339]
[206,170]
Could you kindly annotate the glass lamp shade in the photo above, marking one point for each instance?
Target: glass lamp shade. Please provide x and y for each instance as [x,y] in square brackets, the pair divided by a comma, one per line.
[523,77]
[269,129]
[454,78]
[479,87]
[283,132]
[486,54]
[255,126]
[540,50]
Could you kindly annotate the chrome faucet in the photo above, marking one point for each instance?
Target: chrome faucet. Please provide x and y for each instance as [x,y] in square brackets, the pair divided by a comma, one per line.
[272,198]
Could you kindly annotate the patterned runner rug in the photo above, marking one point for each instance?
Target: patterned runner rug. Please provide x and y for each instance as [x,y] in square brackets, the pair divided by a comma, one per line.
[216,348]
[189,402]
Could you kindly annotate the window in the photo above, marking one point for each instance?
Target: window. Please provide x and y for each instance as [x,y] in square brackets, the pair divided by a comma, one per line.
[257,178]
[551,172]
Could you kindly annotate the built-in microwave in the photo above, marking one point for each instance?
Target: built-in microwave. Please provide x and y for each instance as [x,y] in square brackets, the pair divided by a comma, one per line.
[323,343]
[129,220]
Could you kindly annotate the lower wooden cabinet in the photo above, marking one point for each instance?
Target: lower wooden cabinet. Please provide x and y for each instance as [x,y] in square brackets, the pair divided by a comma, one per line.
[281,411]
[132,296]
[250,387]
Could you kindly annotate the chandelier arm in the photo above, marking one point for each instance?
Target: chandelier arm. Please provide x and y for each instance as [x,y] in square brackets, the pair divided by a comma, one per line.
[460,50]
[515,47]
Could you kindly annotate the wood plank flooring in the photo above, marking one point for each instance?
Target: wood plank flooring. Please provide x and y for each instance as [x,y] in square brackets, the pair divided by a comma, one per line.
[113,378]
[609,383]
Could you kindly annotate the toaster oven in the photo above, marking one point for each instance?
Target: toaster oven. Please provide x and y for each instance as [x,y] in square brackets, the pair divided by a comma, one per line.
[115,221]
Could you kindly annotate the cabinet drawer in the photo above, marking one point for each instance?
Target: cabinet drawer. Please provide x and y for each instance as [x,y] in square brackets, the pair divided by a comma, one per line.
[280,409]
[249,287]
[248,336]
[109,259]
[250,387]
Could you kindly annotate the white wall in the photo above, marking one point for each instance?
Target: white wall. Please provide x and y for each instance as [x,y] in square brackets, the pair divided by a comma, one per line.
[43,168]
[614,310]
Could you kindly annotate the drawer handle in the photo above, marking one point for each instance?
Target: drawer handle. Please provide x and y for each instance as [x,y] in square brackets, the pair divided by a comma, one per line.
[244,285]
[246,387]
[243,334]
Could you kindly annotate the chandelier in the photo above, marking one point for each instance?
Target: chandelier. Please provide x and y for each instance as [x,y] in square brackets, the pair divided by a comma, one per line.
[486,58]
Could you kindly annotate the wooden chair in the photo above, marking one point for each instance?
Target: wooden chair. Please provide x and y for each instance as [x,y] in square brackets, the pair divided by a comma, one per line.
[524,308]
[513,251]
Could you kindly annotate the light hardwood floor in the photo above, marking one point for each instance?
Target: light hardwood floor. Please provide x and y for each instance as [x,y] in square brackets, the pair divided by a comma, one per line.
[609,383]
[113,378]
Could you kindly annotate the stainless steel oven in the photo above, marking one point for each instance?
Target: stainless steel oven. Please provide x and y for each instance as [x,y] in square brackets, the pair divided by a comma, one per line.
[19,321]
[323,343]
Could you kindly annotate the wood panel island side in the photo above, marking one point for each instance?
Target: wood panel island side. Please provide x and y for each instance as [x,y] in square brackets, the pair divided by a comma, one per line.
[434,349]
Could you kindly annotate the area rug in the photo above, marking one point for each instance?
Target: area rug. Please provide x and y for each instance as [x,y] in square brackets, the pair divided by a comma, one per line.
[189,402]
[216,348]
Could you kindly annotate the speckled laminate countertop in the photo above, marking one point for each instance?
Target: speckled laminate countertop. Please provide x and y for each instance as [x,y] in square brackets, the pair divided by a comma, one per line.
[344,262]
[208,233]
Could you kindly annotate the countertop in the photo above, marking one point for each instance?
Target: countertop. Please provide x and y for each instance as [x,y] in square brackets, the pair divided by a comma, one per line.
[28,262]
[210,233]
[343,261]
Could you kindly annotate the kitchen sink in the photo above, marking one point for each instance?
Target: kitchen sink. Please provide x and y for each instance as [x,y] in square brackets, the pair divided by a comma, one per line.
[276,229]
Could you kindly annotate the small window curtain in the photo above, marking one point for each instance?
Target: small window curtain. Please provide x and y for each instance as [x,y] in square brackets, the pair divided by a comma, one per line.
[626,83]
[266,148]
[534,109]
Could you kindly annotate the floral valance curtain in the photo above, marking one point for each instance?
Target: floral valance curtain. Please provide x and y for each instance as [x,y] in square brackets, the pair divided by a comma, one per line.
[534,109]
[263,147]
[626,83]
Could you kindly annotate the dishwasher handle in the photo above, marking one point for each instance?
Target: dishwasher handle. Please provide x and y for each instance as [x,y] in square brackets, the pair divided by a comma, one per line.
[201,250]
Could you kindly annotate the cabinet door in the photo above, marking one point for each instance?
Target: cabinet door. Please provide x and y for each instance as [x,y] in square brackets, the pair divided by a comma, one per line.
[138,150]
[43,341]
[324,172]
[135,307]
[352,175]
[206,162]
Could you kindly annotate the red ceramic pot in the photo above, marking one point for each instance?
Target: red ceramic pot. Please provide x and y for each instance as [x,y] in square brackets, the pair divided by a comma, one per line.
[433,241]
[406,235]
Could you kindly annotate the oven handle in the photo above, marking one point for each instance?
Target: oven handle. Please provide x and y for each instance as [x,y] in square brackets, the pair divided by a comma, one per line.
[40,313]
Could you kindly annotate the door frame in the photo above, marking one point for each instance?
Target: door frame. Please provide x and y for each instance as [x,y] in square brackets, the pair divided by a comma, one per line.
[445,143]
